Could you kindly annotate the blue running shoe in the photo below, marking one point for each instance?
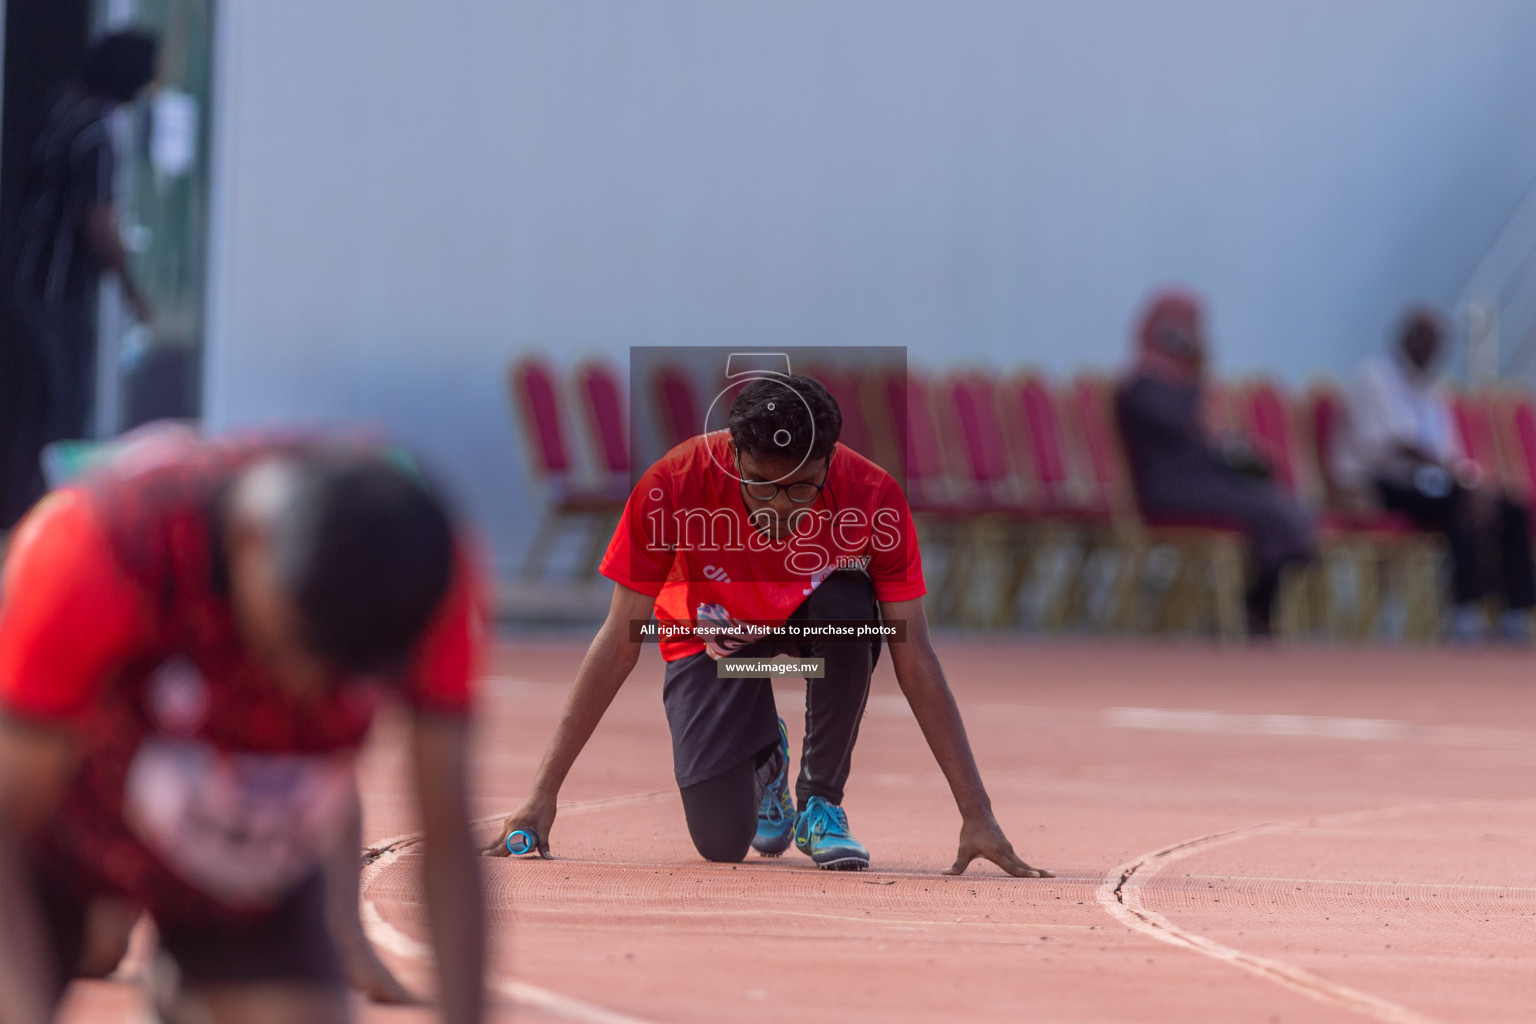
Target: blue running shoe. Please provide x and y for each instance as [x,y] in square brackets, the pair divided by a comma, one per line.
[776,814]
[821,833]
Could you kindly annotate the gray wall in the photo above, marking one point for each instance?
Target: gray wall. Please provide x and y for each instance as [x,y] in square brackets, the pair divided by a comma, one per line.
[407,193]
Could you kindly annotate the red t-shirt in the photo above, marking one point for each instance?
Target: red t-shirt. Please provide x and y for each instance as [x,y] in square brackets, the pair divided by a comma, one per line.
[115,624]
[686,540]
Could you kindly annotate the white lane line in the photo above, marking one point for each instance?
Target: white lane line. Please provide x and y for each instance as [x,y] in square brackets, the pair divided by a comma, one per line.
[387,936]
[1317,726]
[559,1005]
[1120,895]
[1225,723]
[1364,884]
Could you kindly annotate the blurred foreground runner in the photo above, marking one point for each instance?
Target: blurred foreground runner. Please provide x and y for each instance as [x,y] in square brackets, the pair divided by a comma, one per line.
[770,524]
[193,642]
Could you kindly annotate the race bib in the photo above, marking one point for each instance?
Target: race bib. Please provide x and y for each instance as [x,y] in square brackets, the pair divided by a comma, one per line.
[243,828]
[722,634]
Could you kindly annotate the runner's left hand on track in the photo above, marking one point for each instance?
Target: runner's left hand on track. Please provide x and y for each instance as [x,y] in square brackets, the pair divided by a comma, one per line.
[984,838]
[531,817]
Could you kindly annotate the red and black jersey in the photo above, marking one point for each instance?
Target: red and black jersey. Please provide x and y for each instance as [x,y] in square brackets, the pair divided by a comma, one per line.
[686,539]
[115,623]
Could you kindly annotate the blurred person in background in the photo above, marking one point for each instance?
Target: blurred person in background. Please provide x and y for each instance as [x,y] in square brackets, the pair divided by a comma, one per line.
[1400,450]
[1182,474]
[194,639]
[65,236]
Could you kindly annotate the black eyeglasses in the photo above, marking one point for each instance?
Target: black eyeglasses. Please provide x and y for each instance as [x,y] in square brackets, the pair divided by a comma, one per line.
[802,493]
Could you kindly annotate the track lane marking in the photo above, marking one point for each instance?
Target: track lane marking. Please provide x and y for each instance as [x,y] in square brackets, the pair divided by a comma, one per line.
[844,917]
[385,935]
[380,847]
[384,852]
[1457,886]
[1227,723]
[1231,723]
[1120,896]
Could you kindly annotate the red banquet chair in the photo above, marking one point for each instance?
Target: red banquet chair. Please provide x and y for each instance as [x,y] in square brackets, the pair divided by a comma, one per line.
[569,498]
[1377,545]
[1091,415]
[1516,423]
[1043,454]
[844,386]
[1322,421]
[973,437]
[678,414]
[1325,416]
[1473,417]
[908,399]
[990,552]
[1208,585]
[1267,416]
[602,399]
[1514,414]
[883,399]
[901,411]
[1068,516]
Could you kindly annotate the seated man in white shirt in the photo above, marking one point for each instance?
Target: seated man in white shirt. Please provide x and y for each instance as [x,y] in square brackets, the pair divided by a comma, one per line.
[1400,447]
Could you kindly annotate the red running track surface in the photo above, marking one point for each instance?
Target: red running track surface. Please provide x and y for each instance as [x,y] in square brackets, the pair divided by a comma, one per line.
[1274,835]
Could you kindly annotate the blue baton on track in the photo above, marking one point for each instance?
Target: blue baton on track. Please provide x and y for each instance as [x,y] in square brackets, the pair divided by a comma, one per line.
[521,841]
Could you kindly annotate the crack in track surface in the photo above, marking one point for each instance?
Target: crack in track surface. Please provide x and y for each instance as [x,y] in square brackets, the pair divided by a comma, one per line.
[374,851]
[380,855]
[1120,895]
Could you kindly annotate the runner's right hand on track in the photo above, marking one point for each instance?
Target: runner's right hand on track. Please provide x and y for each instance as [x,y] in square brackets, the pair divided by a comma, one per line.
[534,816]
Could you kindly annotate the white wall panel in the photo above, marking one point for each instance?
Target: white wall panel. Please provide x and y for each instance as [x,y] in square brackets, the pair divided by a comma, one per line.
[409,191]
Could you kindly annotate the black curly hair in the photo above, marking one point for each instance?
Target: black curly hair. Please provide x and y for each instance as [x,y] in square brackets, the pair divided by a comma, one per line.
[365,547]
[796,410]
